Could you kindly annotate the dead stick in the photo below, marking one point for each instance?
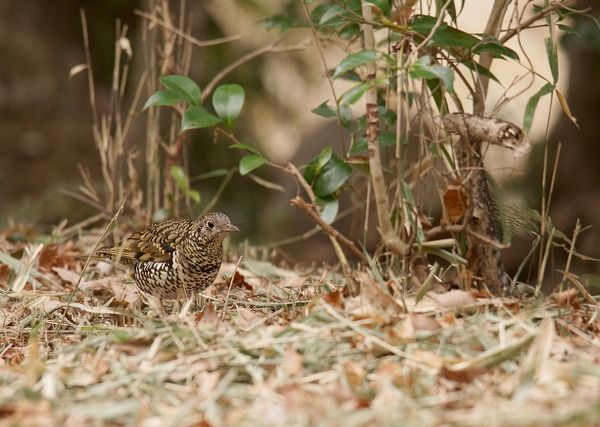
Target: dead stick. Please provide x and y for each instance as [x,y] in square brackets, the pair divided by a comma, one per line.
[314,215]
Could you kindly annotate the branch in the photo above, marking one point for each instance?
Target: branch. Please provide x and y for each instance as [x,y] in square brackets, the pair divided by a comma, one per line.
[492,131]
[462,228]
[314,215]
[272,48]
[492,29]
[185,35]
[386,231]
[536,17]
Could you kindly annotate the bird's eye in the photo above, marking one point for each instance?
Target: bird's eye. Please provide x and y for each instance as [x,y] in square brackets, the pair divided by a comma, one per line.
[210,224]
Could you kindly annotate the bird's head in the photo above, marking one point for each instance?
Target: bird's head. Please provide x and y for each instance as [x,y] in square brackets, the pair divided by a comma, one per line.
[214,227]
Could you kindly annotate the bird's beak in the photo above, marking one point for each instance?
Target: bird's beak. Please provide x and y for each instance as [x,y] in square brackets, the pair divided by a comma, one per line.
[230,228]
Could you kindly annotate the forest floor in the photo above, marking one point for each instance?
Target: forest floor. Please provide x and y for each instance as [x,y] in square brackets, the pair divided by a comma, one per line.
[272,346]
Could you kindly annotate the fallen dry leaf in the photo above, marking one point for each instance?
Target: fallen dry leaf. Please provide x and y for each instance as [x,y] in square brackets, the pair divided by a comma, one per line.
[66,275]
[354,372]
[247,319]
[453,298]
[416,324]
[456,203]
[334,299]
[292,362]
[462,375]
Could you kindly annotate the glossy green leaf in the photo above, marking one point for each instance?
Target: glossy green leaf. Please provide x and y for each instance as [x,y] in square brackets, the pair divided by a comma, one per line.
[353,94]
[194,195]
[423,68]
[355,60]
[251,162]
[180,177]
[349,31]
[472,65]
[346,112]
[333,175]
[335,14]
[324,110]
[386,139]
[162,97]
[384,6]
[532,106]
[552,54]
[316,165]
[324,158]
[198,117]
[497,49]
[444,36]
[282,22]
[184,87]
[329,209]
[161,214]
[248,147]
[228,101]
[332,15]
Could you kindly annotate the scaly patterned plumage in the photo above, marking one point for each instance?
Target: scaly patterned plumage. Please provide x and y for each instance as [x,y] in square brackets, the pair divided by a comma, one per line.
[174,258]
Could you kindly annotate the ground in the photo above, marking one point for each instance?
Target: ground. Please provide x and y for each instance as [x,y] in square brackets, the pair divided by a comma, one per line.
[273,346]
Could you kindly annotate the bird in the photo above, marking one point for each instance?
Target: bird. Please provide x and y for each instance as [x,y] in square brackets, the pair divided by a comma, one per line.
[174,258]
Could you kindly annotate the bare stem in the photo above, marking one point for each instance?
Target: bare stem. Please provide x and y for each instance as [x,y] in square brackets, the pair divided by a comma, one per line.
[314,216]
[386,231]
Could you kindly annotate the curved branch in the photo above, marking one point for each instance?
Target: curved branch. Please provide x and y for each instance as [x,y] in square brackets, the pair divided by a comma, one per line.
[272,48]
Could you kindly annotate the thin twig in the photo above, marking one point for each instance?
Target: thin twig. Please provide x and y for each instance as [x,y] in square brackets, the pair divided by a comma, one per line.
[386,231]
[185,35]
[313,215]
[536,17]
[272,48]
[462,228]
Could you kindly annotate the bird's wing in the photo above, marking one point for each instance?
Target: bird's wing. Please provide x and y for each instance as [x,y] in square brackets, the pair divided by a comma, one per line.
[154,243]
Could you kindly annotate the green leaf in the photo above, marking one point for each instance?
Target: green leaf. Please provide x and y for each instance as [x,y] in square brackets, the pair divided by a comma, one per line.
[333,175]
[332,15]
[493,46]
[196,117]
[444,36]
[251,162]
[180,177]
[328,112]
[184,87]
[384,6]
[472,65]
[532,105]
[552,54]
[194,195]
[324,110]
[349,31]
[162,97]
[355,60]
[162,213]
[242,146]
[424,69]
[324,157]
[386,139]
[282,22]
[316,165]
[329,209]
[353,94]
[228,101]
[346,113]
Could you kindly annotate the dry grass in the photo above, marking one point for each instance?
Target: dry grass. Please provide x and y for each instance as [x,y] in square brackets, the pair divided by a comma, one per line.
[265,345]
[278,347]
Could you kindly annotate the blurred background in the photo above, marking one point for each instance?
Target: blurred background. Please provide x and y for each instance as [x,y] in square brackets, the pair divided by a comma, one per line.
[46,122]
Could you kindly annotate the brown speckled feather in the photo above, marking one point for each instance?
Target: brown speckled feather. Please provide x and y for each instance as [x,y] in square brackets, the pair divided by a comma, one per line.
[174,258]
